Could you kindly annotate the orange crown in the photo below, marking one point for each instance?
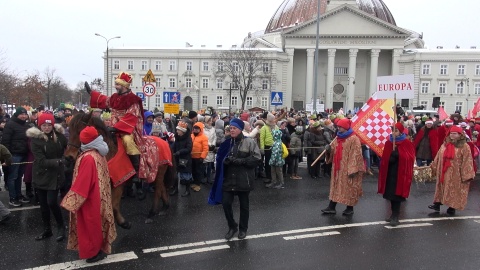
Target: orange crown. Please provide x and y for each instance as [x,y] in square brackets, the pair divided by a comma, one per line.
[124,79]
[182,124]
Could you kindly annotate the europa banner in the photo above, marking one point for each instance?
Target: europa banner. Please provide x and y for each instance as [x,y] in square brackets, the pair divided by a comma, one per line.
[402,85]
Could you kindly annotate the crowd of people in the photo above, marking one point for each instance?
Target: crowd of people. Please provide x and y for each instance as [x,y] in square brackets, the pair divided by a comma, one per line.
[226,153]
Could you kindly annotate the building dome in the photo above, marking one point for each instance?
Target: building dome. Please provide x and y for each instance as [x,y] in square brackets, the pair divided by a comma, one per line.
[294,12]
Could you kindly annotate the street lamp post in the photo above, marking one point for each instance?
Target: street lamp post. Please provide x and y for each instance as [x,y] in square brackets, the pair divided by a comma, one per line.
[108,73]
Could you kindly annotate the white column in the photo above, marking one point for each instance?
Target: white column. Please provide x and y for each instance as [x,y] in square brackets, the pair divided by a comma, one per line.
[288,100]
[373,70]
[309,82]
[395,56]
[352,66]
[330,77]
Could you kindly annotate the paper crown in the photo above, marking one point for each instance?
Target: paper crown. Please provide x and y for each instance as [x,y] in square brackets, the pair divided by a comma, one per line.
[124,79]
[68,106]
[106,116]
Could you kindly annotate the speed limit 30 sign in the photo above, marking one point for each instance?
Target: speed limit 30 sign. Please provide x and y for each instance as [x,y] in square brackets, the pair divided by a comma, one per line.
[149,89]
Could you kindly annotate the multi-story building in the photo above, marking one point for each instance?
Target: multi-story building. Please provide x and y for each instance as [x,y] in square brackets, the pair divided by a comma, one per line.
[359,41]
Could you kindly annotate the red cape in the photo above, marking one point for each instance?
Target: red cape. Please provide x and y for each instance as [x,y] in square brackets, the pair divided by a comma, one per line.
[442,132]
[433,136]
[406,160]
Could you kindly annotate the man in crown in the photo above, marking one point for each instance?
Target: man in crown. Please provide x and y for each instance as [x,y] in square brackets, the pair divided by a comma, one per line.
[126,116]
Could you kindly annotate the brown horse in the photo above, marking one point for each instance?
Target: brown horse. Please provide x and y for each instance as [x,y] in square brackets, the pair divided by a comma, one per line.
[165,177]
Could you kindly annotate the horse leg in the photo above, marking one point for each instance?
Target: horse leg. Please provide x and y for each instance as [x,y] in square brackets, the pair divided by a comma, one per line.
[116,198]
[160,184]
[160,192]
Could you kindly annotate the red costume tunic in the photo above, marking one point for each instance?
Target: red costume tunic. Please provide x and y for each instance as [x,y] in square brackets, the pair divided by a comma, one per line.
[433,137]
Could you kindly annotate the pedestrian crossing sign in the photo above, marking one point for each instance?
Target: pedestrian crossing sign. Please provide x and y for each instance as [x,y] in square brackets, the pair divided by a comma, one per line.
[149,77]
[277,98]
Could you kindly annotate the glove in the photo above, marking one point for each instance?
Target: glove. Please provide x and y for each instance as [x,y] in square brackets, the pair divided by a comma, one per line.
[238,161]
[87,88]
[176,154]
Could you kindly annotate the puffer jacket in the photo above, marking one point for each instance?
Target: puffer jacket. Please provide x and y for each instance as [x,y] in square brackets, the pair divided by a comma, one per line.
[219,132]
[212,141]
[200,143]
[296,145]
[15,136]
[48,169]
[240,175]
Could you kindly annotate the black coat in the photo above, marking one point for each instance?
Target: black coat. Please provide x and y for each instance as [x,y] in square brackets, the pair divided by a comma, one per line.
[15,136]
[48,170]
[183,146]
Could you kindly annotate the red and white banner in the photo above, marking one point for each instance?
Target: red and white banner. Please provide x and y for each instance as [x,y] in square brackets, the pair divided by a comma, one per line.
[476,108]
[442,114]
[402,85]
[372,123]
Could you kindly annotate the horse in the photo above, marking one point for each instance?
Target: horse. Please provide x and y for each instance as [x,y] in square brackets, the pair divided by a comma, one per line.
[165,177]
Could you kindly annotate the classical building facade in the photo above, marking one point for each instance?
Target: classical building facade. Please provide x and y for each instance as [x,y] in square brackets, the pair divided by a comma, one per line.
[359,41]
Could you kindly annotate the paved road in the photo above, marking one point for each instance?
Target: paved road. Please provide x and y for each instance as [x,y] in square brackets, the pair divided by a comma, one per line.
[286,231]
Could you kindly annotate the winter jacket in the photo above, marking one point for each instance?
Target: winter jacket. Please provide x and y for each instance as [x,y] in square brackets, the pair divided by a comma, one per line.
[48,168]
[182,149]
[296,144]
[219,132]
[15,136]
[147,127]
[200,143]
[266,138]
[244,156]
[212,141]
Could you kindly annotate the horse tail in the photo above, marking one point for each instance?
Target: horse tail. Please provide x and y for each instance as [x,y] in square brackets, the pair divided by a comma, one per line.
[171,177]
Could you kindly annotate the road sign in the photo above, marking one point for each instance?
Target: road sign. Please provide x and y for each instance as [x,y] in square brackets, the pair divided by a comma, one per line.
[277,98]
[171,97]
[141,95]
[149,89]
[149,77]
[171,108]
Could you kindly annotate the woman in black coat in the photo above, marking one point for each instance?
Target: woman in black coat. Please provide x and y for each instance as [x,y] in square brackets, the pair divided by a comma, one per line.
[48,145]
[182,151]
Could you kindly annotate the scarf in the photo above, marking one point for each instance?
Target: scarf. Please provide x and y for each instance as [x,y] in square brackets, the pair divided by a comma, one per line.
[341,137]
[97,144]
[398,139]
[448,155]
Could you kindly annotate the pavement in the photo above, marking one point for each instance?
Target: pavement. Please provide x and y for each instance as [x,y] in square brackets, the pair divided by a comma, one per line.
[286,231]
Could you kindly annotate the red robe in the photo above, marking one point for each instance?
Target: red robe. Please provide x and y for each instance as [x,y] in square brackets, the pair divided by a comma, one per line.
[442,134]
[92,226]
[433,136]
[406,161]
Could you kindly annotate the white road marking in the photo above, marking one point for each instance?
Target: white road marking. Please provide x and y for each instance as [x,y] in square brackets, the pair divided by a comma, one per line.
[120,257]
[191,251]
[477,221]
[303,236]
[409,225]
[24,208]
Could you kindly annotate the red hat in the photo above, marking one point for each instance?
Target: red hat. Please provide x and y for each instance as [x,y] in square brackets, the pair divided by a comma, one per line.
[456,129]
[400,127]
[344,123]
[124,79]
[88,134]
[477,120]
[449,122]
[46,118]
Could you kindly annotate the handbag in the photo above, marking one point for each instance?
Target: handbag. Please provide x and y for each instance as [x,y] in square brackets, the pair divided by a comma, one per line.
[182,163]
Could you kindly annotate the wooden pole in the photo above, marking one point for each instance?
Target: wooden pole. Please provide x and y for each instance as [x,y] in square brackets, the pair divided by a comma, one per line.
[321,155]
[394,118]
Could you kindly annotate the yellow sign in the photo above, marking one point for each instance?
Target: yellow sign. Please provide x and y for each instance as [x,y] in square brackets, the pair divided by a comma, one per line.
[171,108]
[149,77]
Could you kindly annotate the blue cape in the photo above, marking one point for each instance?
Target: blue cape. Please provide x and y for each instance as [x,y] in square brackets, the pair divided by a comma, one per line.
[215,196]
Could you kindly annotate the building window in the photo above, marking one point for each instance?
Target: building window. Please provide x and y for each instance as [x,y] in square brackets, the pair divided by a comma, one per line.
[425,87]
[219,83]
[234,101]
[205,83]
[205,66]
[424,104]
[220,66]
[172,65]
[461,69]
[477,70]
[264,101]
[443,69]
[426,69]
[266,67]
[157,82]
[265,84]
[188,82]
[143,82]
[459,88]
[189,65]
[442,104]
[172,82]
[340,71]
[219,100]
[236,67]
[442,88]
[249,101]
[158,65]
[130,64]
[204,100]
[144,65]
[477,88]
[158,100]
[116,64]
[458,106]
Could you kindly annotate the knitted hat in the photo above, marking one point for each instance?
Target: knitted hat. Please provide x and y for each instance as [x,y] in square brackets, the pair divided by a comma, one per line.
[449,122]
[157,114]
[424,118]
[328,122]
[124,79]
[237,123]
[280,123]
[201,118]
[20,110]
[400,127]
[456,129]
[316,124]
[207,118]
[244,116]
[88,134]
[46,118]
[344,123]
[192,114]
[259,122]
[463,125]
[156,128]
[182,126]
[270,119]
[166,116]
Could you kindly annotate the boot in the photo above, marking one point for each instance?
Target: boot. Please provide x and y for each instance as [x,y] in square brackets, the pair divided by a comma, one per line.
[187,191]
[135,159]
[61,233]
[140,193]
[394,220]
[45,234]
[174,190]
[435,206]
[330,209]
[28,190]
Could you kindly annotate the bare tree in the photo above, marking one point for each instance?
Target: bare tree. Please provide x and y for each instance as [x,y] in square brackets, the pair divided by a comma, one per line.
[245,69]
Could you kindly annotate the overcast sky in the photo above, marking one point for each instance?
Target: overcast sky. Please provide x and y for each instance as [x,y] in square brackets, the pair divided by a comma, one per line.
[60,34]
